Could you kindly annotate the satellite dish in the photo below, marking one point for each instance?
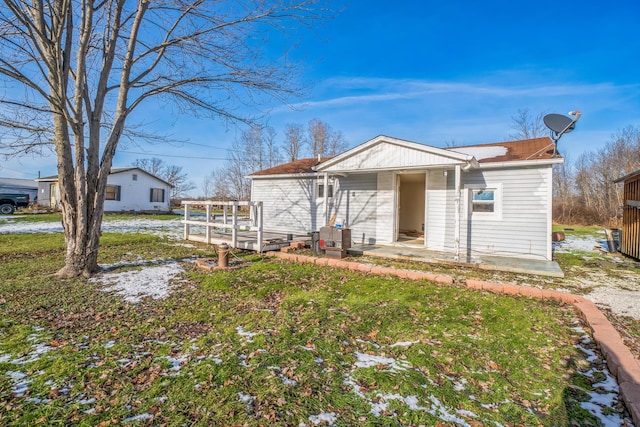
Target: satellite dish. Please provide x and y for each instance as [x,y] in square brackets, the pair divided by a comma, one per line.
[559,125]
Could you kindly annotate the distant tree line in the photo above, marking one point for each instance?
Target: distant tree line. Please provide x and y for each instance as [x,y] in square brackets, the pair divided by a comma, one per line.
[583,190]
[258,148]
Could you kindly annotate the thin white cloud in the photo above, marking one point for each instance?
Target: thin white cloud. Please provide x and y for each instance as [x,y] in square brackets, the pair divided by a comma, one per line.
[384,90]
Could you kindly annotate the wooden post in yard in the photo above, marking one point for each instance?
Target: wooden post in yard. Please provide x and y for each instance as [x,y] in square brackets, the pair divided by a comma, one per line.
[186,218]
[207,232]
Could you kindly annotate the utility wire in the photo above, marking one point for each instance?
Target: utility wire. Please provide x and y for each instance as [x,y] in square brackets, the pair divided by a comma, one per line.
[172,155]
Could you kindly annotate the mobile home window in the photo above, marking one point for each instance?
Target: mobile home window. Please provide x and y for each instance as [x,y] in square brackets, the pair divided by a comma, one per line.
[113,192]
[483,200]
[321,190]
[134,176]
[157,195]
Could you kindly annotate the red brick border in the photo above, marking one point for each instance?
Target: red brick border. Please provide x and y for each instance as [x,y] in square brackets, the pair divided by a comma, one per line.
[620,360]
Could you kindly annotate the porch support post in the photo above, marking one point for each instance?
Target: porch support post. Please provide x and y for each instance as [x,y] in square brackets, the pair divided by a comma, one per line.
[456,226]
[326,198]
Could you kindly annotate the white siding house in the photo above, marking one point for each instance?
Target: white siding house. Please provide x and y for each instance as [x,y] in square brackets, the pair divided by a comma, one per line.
[128,190]
[490,199]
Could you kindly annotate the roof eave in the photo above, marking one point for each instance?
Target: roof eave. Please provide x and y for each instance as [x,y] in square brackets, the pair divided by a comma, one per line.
[517,163]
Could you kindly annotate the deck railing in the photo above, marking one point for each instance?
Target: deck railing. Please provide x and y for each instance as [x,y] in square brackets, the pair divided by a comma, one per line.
[229,220]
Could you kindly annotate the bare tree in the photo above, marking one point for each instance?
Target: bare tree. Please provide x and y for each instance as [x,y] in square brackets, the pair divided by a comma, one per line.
[323,140]
[527,126]
[154,166]
[272,151]
[598,198]
[180,184]
[81,68]
[293,142]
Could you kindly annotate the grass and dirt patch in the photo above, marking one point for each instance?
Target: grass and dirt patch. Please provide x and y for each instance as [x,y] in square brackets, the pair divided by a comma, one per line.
[276,343]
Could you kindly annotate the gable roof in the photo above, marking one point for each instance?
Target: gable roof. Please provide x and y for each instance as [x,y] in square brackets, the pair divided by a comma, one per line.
[54,178]
[296,167]
[418,155]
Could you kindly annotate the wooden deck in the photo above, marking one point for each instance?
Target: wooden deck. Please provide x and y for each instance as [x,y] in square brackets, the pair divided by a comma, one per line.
[238,230]
[271,241]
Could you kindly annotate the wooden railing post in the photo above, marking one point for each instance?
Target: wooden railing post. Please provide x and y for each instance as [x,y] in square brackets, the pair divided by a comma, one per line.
[207,230]
[259,223]
[234,223]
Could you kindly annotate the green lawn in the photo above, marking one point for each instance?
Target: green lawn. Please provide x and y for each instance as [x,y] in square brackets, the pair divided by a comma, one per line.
[275,343]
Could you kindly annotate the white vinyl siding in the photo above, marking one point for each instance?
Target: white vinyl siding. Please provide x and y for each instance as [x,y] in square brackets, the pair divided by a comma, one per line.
[383,154]
[356,202]
[289,204]
[385,213]
[440,208]
[135,196]
[520,229]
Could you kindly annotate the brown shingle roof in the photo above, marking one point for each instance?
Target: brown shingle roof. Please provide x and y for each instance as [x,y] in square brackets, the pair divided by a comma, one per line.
[295,167]
[508,151]
[526,149]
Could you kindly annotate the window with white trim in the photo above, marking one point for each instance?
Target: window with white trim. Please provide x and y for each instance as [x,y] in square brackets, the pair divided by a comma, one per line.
[483,200]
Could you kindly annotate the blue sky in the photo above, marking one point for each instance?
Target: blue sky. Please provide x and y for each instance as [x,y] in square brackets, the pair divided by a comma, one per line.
[436,73]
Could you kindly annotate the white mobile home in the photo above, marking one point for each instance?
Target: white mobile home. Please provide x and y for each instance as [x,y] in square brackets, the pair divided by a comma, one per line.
[128,190]
[490,199]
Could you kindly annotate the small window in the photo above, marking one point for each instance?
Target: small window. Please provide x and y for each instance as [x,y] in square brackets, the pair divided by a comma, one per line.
[483,200]
[157,195]
[134,176]
[321,191]
[113,192]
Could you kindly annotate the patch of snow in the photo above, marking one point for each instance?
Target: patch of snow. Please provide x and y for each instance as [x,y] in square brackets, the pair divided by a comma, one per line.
[86,401]
[324,417]
[109,344]
[176,362]
[605,394]
[481,153]
[248,335]
[579,243]
[171,229]
[20,382]
[141,417]
[134,285]
[404,343]
[285,380]
[248,401]
[367,361]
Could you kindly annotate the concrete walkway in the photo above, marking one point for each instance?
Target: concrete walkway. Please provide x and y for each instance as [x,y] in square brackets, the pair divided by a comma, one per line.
[620,360]
[483,262]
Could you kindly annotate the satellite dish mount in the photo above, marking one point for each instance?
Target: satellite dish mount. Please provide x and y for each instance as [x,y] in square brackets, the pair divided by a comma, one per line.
[559,125]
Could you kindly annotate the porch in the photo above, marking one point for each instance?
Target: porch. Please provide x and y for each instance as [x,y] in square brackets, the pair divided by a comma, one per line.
[236,223]
[411,252]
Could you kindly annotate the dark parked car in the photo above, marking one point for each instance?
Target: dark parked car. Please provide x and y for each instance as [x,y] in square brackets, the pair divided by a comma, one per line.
[9,202]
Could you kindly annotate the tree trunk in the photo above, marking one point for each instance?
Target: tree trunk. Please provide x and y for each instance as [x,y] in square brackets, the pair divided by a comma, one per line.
[81,260]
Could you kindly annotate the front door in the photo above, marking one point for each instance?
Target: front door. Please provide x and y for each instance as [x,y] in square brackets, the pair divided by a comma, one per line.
[410,208]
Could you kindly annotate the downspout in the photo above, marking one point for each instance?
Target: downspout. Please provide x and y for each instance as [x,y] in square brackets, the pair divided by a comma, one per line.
[326,198]
[456,226]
